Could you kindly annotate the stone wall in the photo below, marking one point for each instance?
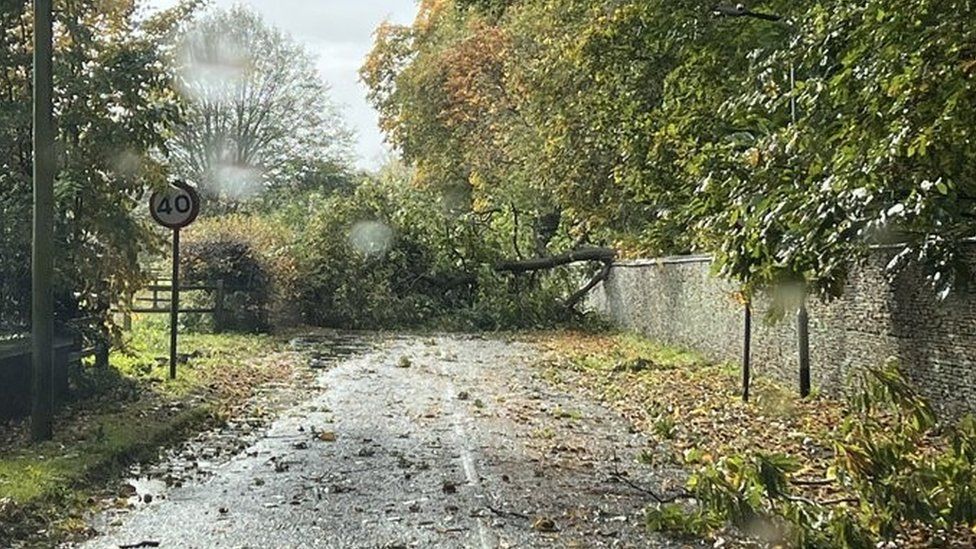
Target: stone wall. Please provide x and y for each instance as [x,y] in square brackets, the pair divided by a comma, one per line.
[677,301]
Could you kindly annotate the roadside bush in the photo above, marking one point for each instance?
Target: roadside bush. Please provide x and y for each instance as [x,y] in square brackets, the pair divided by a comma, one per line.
[246,252]
[234,262]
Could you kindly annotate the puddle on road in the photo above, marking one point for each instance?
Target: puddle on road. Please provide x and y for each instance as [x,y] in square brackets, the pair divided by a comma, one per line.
[325,350]
[145,489]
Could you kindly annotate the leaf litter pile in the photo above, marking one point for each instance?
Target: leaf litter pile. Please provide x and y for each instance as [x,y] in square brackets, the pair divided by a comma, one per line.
[696,415]
[693,408]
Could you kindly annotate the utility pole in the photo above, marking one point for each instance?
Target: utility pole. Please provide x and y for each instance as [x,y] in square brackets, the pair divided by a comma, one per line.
[42,261]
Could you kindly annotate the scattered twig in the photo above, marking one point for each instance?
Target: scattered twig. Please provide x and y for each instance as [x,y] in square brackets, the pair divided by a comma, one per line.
[838,501]
[797,499]
[620,477]
[812,481]
[814,503]
[654,495]
[140,545]
[455,530]
[504,513]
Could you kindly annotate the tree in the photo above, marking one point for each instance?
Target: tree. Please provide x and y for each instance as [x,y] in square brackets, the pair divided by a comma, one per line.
[257,114]
[113,107]
[661,127]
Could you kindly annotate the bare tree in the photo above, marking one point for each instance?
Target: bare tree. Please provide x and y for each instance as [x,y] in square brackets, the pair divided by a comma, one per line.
[257,112]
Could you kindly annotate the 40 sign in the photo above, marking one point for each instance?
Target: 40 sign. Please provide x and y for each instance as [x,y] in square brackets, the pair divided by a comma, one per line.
[176,207]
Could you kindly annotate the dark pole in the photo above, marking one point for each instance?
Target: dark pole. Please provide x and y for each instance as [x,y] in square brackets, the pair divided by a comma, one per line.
[174,312]
[42,271]
[802,318]
[803,340]
[747,354]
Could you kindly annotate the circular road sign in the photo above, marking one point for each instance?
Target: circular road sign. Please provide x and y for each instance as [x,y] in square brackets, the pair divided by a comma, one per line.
[176,207]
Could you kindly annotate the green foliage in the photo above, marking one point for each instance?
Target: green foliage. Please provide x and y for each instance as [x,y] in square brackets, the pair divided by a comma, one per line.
[664,426]
[896,465]
[660,128]
[675,518]
[390,254]
[113,107]
[887,454]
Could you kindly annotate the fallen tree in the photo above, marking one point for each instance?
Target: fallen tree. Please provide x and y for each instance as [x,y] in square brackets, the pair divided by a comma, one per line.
[580,294]
[604,255]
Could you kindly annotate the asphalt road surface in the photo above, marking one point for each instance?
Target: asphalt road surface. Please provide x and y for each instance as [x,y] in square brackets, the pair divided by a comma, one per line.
[446,441]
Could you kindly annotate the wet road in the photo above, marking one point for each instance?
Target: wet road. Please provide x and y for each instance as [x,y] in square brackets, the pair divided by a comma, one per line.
[442,441]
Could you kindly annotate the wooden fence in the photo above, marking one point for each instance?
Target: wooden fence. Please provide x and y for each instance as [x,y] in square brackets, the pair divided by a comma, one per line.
[156,298]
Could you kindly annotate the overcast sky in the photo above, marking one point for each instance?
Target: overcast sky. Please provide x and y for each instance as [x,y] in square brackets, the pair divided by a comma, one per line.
[339,33]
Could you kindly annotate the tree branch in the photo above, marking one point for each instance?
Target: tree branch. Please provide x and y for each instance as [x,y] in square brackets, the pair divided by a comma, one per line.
[585,290]
[543,263]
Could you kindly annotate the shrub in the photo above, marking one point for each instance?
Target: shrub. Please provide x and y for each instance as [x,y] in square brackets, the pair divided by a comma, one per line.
[244,251]
[235,262]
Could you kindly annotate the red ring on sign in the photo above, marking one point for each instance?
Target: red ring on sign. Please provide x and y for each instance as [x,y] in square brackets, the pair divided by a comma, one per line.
[194,206]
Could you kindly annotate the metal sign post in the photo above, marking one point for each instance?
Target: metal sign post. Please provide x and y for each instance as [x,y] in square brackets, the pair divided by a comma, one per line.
[175,208]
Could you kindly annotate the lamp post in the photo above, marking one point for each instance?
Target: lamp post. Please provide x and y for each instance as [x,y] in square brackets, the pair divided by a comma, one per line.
[802,317]
[42,260]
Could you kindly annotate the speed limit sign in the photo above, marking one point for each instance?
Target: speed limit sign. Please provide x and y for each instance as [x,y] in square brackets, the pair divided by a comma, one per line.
[176,207]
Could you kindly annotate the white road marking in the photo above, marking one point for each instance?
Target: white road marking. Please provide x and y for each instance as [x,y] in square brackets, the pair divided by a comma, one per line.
[485,536]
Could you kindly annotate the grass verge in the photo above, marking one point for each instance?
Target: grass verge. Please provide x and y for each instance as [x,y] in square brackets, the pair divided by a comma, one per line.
[124,415]
[691,404]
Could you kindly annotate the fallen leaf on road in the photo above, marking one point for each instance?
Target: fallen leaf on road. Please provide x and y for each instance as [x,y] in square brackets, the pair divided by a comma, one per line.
[327,436]
[544,524]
